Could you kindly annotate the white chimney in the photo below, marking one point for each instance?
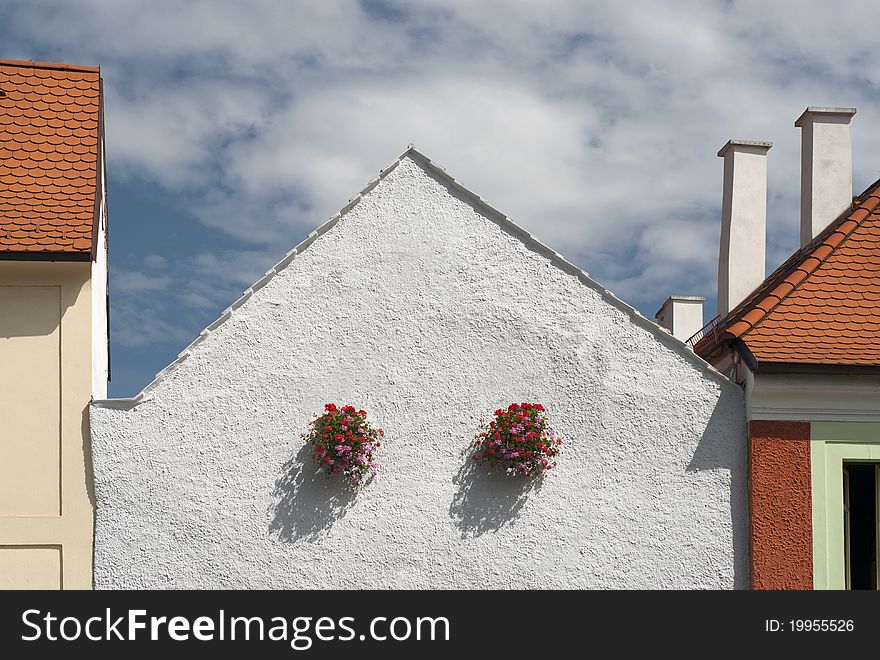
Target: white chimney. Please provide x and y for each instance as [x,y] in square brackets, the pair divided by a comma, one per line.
[743,221]
[826,167]
[682,316]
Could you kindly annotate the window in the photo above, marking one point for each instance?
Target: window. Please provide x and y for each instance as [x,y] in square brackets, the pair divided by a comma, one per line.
[860,526]
[844,459]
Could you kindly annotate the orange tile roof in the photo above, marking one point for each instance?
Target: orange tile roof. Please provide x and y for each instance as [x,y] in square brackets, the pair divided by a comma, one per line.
[50,137]
[822,306]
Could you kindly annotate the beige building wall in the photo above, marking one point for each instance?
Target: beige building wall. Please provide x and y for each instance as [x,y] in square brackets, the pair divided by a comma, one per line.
[46,497]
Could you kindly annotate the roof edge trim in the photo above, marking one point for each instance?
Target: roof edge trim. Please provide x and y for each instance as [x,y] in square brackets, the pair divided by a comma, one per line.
[815,368]
[56,66]
[83,255]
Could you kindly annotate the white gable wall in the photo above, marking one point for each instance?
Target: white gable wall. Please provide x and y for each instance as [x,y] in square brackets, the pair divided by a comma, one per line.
[418,307]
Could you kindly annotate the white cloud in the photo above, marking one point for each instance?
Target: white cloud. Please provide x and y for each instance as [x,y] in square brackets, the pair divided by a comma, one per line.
[137,325]
[494,138]
[159,301]
[594,125]
[156,261]
[132,281]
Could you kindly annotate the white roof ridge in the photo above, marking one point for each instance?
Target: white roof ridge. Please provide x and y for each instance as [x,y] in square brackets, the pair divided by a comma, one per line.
[497,216]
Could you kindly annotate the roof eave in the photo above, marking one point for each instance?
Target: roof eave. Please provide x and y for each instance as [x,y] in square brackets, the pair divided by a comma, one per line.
[84,255]
[766,367]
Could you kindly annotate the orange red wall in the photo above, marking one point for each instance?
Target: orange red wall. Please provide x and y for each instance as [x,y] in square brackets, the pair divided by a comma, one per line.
[780,504]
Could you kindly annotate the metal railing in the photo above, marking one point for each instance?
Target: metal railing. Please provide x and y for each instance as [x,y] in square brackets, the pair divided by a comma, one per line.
[710,328]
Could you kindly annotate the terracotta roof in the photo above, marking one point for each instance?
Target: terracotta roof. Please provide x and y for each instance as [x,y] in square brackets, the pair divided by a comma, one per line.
[50,123]
[820,307]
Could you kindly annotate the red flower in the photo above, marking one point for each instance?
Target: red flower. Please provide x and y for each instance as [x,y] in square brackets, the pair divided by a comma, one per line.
[517,439]
[355,442]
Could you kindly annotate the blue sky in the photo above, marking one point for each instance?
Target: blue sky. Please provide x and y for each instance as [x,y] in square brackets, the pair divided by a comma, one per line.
[235,128]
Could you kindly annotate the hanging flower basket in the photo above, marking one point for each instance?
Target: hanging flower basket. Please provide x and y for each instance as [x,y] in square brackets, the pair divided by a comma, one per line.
[518,440]
[343,442]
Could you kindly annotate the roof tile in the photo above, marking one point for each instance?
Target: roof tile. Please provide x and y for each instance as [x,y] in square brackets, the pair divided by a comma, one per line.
[49,137]
[822,306]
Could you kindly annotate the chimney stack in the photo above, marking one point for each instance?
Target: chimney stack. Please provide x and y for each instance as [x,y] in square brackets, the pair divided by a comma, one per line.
[826,167]
[743,221]
[682,316]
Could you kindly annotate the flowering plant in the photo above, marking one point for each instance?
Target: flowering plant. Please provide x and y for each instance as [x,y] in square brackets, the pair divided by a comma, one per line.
[342,441]
[519,440]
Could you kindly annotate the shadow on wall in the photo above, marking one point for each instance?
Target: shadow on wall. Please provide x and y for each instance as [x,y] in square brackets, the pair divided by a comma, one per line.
[34,311]
[306,503]
[723,447]
[486,500]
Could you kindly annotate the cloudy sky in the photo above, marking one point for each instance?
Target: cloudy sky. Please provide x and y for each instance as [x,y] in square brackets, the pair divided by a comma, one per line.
[234,128]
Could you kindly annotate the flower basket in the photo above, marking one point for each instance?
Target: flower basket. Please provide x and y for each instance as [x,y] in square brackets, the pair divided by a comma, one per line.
[518,440]
[342,441]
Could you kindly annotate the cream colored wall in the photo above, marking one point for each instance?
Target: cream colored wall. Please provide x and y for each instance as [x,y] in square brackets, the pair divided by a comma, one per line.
[46,496]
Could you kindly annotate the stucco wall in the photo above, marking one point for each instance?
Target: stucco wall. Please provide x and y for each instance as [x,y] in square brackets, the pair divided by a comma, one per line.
[419,307]
[781,505]
[46,502]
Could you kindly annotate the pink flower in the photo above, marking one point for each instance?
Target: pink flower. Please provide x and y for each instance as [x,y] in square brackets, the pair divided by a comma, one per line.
[518,440]
[344,443]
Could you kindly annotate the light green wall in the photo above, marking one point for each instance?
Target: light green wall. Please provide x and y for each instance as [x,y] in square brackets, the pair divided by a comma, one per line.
[831,444]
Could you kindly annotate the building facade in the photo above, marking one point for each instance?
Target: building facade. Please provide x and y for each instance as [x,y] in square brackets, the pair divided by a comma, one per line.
[747,456]
[804,344]
[428,308]
[53,319]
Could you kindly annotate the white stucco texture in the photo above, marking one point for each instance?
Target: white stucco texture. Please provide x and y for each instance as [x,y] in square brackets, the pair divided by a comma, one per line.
[428,309]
